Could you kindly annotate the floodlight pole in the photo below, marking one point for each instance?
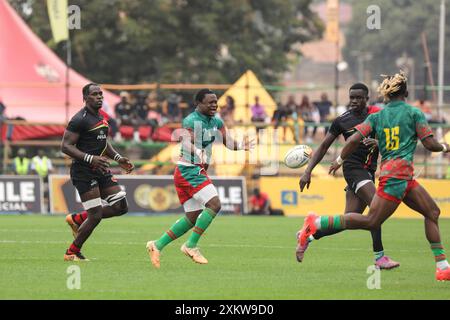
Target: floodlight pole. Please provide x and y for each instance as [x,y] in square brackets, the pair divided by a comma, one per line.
[67,84]
[440,83]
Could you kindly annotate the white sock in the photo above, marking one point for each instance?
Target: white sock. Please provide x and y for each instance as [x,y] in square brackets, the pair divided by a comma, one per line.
[442,264]
[317,223]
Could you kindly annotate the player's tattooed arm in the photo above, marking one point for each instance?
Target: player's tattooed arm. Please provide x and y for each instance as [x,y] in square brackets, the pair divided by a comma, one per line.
[228,141]
[68,146]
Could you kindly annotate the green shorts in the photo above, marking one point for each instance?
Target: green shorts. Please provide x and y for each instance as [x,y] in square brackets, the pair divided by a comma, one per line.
[394,189]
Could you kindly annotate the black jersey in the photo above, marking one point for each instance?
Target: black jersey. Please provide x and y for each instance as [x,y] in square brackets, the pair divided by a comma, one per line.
[363,157]
[93,130]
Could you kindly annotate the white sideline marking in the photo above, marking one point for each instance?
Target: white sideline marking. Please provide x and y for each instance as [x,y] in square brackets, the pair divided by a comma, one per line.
[60,231]
[5,241]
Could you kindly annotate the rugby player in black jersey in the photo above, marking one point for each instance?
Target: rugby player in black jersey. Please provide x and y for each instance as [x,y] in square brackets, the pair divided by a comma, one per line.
[85,141]
[359,169]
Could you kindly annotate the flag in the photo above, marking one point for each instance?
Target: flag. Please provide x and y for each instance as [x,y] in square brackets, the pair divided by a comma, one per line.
[332,28]
[57,11]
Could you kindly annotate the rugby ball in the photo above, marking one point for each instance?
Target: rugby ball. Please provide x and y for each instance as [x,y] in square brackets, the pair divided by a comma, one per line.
[298,156]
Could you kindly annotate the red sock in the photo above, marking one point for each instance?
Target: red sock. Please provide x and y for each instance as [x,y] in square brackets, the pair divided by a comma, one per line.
[73,249]
[80,217]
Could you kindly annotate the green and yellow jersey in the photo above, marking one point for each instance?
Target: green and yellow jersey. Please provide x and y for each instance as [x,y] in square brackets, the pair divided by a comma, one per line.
[397,127]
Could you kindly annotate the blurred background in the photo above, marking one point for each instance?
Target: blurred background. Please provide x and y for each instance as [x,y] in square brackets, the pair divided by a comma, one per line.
[281,68]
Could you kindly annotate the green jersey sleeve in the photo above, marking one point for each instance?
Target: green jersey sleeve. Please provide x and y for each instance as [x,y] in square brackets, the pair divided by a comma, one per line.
[219,123]
[188,123]
[368,126]
[423,129]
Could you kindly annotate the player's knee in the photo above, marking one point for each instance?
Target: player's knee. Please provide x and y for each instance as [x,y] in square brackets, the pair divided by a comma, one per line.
[435,213]
[373,224]
[214,204]
[119,202]
[95,215]
[122,207]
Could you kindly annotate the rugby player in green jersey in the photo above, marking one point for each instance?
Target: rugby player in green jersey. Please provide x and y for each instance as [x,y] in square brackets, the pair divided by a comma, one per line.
[397,126]
[195,190]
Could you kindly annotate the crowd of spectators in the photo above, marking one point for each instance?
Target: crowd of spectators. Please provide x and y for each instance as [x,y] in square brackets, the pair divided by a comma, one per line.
[147,110]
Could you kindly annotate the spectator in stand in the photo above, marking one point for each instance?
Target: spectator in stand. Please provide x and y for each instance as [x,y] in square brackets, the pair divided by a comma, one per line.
[278,118]
[306,109]
[41,165]
[125,114]
[227,111]
[173,109]
[21,163]
[291,109]
[259,203]
[323,106]
[141,109]
[258,116]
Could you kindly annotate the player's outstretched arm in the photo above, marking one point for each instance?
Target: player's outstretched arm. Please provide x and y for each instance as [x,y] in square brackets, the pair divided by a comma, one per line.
[318,155]
[431,144]
[124,162]
[246,144]
[350,146]
[68,146]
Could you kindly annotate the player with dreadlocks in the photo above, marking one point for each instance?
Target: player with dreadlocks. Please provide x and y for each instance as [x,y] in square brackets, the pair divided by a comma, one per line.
[359,169]
[398,126]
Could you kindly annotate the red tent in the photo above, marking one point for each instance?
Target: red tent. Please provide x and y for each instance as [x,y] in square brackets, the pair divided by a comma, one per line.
[32,77]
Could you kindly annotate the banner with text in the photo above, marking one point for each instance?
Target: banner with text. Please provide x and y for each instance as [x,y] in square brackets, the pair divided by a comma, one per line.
[326,196]
[21,194]
[149,194]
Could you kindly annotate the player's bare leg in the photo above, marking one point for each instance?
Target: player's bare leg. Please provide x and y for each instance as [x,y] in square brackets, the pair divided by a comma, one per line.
[419,200]
[180,227]
[190,248]
[116,206]
[85,230]
[366,194]
[379,211]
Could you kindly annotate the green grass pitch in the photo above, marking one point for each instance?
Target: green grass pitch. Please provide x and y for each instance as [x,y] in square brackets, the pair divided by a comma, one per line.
[249,258]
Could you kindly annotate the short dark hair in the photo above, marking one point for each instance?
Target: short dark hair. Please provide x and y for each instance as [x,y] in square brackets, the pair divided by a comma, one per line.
[360,86]
[86,89]
[201,94]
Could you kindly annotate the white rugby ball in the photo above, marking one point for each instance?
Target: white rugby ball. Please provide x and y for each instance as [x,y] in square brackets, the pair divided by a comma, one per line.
[298,156]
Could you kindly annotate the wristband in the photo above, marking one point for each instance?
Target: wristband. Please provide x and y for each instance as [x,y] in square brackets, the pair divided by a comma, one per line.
[444,148]
[88,158]
[339,160]
[117,157]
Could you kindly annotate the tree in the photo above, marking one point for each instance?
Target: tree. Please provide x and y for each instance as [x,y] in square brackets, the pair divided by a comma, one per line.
[402,22]
[183,40]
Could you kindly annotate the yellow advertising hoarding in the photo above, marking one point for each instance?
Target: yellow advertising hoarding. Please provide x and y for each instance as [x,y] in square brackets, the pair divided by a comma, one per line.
[327,196]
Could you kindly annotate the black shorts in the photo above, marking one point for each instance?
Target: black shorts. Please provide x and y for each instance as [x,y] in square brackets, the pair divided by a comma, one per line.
[84,178]
[353,176]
